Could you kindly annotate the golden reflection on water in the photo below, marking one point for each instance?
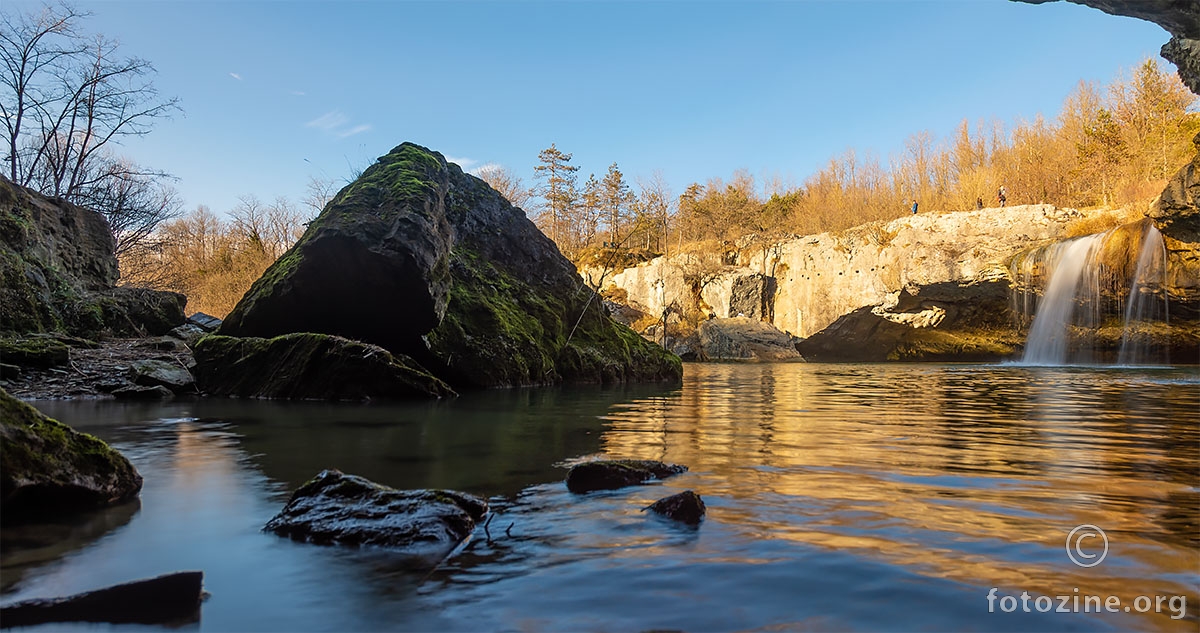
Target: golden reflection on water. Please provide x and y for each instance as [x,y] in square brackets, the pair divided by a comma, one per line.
[967,473]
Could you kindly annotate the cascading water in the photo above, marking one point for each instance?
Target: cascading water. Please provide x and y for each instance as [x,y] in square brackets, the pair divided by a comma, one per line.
[1048,336]
[1094,285]
[1142,305]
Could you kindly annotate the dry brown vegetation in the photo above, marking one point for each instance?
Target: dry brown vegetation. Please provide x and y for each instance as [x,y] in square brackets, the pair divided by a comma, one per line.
[1108,147]
[212,260]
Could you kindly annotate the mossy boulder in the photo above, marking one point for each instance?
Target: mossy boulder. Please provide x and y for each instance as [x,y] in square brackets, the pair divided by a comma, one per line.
[47,468]
[308,366]
[608,474]
[33,351]
[58,271]
[427,261]
[336,508]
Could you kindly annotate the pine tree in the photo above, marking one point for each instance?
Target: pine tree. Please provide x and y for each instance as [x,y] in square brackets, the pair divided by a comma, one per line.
[558,186]
[615,199]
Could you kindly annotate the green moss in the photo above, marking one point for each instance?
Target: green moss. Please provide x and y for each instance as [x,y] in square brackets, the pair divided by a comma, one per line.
[48,456]
[407,174]
[33,351]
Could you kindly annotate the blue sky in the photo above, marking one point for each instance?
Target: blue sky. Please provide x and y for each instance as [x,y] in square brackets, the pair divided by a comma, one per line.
[274,92]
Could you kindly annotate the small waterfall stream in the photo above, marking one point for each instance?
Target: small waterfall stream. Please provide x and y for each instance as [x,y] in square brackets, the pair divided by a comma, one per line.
[1141,305]
[1089,284]
[1073,266]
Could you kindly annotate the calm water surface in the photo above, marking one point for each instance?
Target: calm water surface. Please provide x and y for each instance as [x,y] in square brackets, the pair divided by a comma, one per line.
[840,497]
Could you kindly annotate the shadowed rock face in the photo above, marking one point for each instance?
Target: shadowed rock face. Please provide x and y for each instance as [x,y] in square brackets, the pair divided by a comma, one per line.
[1180,18]
[685,507]
[426,261]
[335,508]
[57,270]
[308,366]
[50,469]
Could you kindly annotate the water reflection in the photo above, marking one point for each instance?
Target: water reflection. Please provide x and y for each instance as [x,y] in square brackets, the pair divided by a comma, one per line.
[840,497]
[967,473]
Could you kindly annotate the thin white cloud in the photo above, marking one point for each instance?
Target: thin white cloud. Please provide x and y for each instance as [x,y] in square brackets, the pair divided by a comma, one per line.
[329,121]
[338,125]
[236,76]
[465,163]
[358,129]
[299,93]
[482,168]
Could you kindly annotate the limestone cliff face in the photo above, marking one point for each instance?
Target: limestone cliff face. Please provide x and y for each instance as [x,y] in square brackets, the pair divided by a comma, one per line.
[935,287]
[805,284]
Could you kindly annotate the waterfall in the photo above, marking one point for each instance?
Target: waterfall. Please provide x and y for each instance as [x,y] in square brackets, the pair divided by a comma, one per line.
[1095,288]
[1070,262]
[1142,305]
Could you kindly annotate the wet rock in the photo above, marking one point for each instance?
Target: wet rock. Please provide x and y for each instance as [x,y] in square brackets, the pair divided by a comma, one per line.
[169,599]
[206,322]
[189,333]
[9,371]
[613,474]
[686,507]
[48,468]
[744,339]
[34,351]
[309,366]
[141,392]
[172,375]
[336,508]
[109,385]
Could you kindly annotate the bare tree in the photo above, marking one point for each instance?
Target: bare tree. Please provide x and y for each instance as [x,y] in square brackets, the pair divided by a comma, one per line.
[503,180]
[67,101]
[317,194]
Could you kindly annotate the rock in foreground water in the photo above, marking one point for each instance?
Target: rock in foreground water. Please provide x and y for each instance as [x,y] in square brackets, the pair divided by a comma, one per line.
[686,507]
[169,599]
[336,508]
[47,468]
[613,474]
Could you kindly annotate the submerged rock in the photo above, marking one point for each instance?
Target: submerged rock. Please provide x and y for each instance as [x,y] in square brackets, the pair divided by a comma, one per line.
[742,338]
[427,261]
[613,474]
[686,507]
[336,508]
[312,366]
[48,468]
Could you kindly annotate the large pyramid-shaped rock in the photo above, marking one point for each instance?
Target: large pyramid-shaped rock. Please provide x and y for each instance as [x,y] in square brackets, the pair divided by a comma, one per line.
[427,261]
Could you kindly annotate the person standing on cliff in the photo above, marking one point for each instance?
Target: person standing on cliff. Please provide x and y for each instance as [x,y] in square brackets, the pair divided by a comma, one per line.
[914,207]
[979,203]
[1001,195]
